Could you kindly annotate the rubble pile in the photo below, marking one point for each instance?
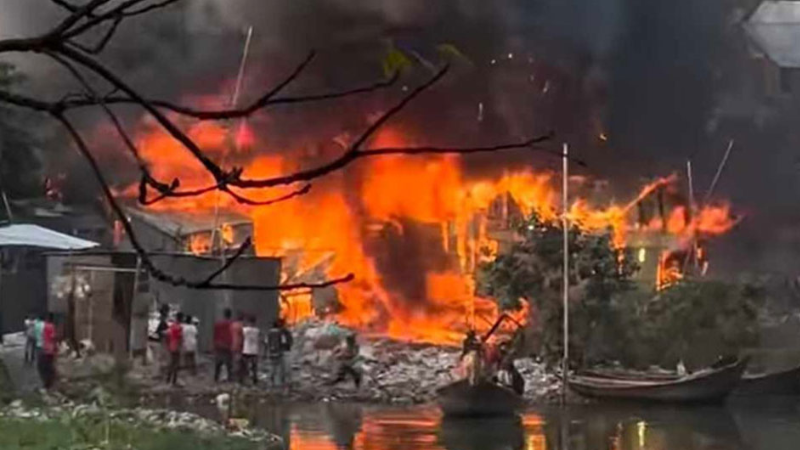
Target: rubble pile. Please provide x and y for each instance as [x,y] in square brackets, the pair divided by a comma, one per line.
[394,372]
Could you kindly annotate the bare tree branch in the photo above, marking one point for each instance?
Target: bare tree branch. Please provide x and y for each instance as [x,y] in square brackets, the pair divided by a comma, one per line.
[101,44]
[147,262]
[166,191]
[123,10]
[266,100]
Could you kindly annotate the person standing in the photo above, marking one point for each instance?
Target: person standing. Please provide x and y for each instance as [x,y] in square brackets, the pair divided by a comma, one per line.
[160,339]
[222,346]
[174,346]
[279,342]
[38,333]
[237,343]
[250,351]
[30,341]
[190,344]
[47,352]
[347,355]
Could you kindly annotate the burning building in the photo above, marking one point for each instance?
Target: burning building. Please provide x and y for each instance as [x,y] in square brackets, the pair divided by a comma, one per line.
[412,230]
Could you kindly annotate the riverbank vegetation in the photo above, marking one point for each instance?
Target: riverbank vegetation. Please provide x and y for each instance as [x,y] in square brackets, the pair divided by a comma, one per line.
[614,318]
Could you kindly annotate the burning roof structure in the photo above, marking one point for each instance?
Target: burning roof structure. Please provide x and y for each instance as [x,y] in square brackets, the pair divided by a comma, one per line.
[197,232]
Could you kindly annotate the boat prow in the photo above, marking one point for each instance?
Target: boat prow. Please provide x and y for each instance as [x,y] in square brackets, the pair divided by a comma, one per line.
[462,399]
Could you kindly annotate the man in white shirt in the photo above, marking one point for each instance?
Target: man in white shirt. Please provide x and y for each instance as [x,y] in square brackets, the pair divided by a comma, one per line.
[190,344]
[30,340]
[250,351]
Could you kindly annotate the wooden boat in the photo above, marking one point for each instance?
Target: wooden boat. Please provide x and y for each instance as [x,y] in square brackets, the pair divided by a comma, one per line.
[460,399]
[708,385]
[623,374]
[784,382]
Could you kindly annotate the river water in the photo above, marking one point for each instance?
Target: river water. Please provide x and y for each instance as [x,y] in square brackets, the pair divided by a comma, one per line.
[773,425]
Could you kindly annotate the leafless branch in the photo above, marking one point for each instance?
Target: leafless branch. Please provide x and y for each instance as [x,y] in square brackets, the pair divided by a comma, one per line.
[228,262]
[166,191]
[101,44]
[124,10]
[264,101]
[147,262]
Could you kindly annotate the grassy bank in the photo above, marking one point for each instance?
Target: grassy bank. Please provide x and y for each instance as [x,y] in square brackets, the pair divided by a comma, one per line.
[91,433]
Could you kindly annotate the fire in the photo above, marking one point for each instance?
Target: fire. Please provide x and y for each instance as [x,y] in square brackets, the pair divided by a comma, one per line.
[412,229]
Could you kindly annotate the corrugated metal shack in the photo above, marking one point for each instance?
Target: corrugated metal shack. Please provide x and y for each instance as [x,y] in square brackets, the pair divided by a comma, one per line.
[114,310]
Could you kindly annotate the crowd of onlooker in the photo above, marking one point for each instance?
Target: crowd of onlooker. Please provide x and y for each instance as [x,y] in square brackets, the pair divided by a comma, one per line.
[238,347]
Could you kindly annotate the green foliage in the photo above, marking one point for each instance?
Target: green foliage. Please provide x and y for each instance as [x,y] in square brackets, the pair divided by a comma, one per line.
[89,433]
[395,61]
[693,321]
[532,270]
[19,159]
[611,317]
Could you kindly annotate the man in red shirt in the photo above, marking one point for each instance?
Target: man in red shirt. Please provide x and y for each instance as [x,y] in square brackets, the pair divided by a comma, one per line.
[237,342]
[174,345]
[47,354]
[222,346]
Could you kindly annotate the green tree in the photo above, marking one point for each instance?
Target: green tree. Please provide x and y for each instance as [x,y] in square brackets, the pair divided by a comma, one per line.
[611,317]
[532,270]
[20,162]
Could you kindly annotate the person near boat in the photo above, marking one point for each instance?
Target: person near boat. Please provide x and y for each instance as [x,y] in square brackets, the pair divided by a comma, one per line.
[472,357]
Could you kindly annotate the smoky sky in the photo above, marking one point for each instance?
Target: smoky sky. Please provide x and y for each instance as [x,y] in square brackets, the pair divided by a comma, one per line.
[664,81]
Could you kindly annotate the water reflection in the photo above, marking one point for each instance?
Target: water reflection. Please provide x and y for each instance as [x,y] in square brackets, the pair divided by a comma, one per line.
[330,426]
[482,434]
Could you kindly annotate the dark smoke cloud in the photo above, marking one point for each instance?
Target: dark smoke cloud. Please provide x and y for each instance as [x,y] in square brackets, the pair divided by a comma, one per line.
[655,76]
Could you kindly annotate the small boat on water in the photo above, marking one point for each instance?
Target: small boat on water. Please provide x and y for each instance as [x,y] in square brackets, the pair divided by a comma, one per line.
[710,385]
[783,382]
[461,399]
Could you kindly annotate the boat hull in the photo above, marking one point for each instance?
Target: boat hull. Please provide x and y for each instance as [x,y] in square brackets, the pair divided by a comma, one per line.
[703,387]
[785,382]
[460,399]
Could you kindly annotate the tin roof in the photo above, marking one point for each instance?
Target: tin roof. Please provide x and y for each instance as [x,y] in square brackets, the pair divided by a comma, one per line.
[185,223]
[26,235]
[775,28]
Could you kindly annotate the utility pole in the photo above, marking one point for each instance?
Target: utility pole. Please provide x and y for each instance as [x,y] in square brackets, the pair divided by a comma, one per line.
[565,281]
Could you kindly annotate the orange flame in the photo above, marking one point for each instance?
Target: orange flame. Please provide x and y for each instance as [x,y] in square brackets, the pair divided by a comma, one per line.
[339,227]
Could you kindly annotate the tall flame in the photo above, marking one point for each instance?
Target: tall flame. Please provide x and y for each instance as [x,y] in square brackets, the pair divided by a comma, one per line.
[357,221]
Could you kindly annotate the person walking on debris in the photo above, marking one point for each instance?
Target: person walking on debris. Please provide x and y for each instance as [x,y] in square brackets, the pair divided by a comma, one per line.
[279,342]
[223,346]
[190,344]
[47,352]
[174,346]
[30,340]
[347,356]
[250,351]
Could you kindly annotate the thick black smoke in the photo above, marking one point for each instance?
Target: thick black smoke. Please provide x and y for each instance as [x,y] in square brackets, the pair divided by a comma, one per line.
[659,79]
